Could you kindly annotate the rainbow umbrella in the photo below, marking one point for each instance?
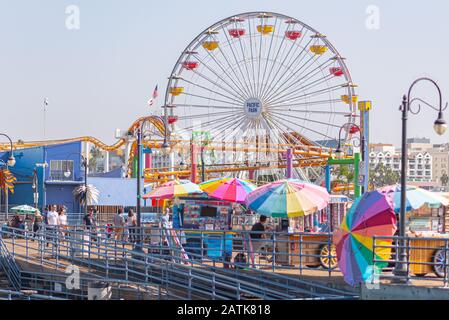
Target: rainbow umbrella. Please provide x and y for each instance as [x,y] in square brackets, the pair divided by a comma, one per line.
[415,197]
[370,215]
[288,198]
[228,189]
[173,189]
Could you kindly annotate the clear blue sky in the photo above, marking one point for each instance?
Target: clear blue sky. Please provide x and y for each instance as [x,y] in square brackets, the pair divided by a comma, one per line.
[99,78]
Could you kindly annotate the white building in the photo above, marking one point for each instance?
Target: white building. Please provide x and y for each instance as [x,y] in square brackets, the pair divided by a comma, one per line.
[419,162]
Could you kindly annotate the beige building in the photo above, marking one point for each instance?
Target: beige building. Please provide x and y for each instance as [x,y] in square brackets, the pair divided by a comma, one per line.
[440,165]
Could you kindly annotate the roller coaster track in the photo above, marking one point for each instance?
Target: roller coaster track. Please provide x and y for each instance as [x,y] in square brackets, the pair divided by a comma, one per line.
[307,153]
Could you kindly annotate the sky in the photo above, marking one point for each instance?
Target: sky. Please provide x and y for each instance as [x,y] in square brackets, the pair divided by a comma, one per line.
[99,77]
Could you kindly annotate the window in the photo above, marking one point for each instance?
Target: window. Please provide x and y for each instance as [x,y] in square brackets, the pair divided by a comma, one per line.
[60,168]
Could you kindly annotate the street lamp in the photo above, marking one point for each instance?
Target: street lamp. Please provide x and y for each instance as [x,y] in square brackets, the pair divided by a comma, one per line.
[10,163]
[67,174]
[339,151]
[165,145]
[440,127]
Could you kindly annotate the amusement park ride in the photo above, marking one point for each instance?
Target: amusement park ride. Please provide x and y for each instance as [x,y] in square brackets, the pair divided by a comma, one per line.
[245,93]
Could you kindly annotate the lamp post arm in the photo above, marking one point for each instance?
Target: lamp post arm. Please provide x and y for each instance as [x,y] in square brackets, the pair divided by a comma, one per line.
[10,141]
[440,95]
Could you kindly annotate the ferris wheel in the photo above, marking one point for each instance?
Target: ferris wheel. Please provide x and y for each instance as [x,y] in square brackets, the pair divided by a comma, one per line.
[261,77]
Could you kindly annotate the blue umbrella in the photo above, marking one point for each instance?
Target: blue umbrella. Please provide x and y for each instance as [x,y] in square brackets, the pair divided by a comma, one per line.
[415,197]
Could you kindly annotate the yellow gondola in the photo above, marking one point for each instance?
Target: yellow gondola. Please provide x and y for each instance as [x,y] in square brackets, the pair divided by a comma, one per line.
[265,29]
[318,49]
[345,98]
[176,91]
[210,45]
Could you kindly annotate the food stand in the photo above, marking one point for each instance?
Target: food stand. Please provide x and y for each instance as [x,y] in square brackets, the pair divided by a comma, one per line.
[308,238]
[427,227]
[212,219]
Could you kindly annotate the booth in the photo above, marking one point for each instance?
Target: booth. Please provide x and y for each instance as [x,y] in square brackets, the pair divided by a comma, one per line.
[308,238]
[428,228]
[208,225]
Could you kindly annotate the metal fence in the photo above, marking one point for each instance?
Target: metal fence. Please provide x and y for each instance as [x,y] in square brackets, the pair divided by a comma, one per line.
[24,295]
[170,268]
[426,259]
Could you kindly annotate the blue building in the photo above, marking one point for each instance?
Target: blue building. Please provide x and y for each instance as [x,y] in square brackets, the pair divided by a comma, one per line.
[58,169]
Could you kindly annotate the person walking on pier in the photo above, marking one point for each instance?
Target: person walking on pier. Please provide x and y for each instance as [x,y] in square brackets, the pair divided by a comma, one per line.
[91,224]
[52,225]
[62,221]
[119,225]
[131,224]
[257,238]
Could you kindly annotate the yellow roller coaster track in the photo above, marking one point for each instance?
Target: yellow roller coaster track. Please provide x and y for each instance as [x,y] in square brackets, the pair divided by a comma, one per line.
[305,149]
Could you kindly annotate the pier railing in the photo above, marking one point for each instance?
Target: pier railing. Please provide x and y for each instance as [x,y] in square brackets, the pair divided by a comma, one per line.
[9,266]
[296,253]
[426,259]
[179,275]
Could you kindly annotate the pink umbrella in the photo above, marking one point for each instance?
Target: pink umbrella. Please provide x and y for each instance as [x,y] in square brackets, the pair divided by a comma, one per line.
[228,189]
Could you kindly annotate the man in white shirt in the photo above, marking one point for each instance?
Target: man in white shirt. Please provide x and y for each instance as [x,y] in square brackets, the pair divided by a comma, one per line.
[52,217]
[53,222]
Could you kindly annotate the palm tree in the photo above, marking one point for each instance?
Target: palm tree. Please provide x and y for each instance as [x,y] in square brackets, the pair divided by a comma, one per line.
[92,194]
[7,180]
[95,155]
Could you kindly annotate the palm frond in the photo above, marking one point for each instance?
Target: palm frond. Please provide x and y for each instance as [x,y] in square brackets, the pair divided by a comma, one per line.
[7,180]
[91,194]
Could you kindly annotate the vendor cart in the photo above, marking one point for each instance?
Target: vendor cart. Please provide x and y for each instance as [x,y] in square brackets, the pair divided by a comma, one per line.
[426,229]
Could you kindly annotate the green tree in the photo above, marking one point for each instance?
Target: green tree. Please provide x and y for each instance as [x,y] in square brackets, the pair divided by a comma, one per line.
[95,156]
[345,174]
[382,176]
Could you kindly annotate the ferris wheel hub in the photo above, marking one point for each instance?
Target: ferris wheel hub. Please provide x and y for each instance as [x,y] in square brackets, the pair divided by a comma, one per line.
[253,108]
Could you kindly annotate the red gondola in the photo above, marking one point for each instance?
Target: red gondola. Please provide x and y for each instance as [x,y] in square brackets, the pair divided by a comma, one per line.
[172,119]
[236,33]
[337,71]
[293,34]
[190,65]
[353,130]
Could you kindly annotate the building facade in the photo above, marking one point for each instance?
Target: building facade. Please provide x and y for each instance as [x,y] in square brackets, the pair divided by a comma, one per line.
[58,170]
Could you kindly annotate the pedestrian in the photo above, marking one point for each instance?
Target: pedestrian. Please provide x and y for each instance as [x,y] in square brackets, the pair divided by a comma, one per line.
[257,237]
[131,224]
[62,221]
[119,224]
[91,224]
[38,221]
[52,225]
[164,226]
[165,219]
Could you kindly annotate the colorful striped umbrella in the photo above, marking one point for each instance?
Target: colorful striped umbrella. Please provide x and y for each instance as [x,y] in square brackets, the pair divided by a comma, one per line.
[173,189]
[228,189]
[416,197]
[288,198]
[370,215]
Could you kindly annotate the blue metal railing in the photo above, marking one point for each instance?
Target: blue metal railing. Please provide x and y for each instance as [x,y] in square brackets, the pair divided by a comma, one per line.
[9,266]
[182,278]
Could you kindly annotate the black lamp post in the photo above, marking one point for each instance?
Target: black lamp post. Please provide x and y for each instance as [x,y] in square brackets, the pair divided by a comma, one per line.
[165,145]
[10,163]
[440,127]
[339,151]
[68,173]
